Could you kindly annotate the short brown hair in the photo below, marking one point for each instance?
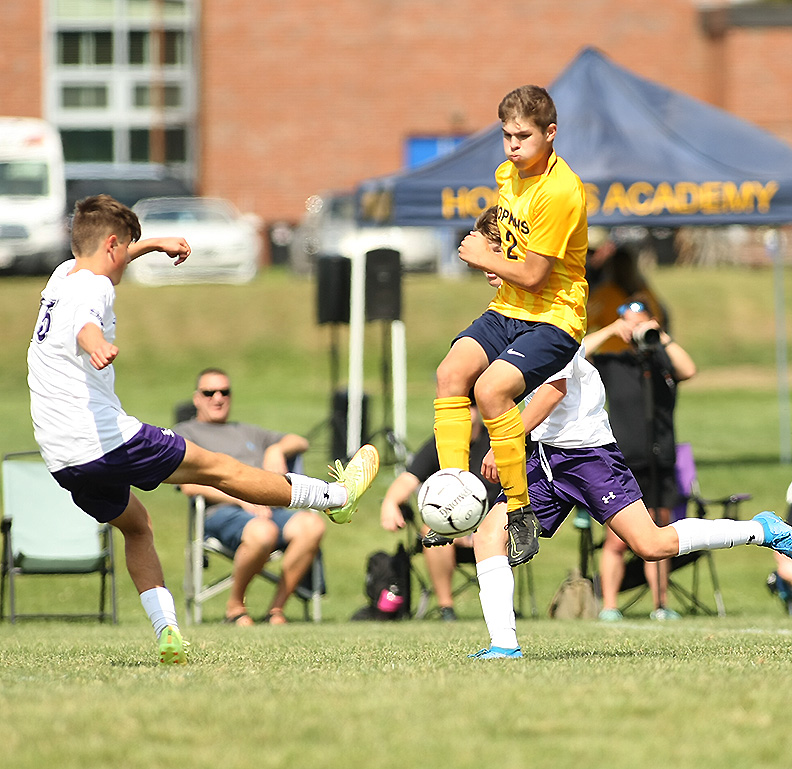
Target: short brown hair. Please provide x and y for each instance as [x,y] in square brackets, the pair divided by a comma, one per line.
[528,101]
[211,370]
[98,217]
[487,225]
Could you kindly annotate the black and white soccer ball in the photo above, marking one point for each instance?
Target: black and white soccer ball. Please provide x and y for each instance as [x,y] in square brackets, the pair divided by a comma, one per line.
[452,502]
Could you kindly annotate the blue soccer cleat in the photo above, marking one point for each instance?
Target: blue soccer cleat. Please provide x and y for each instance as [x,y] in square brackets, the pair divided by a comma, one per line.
[777,534]
[497,653]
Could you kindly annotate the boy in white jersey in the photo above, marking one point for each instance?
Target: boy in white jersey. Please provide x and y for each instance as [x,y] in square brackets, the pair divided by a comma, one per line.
[577,462]
[535,322]
[97,451]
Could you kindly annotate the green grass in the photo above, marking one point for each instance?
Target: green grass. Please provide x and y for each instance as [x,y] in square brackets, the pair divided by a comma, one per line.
[700,693]
[703,692]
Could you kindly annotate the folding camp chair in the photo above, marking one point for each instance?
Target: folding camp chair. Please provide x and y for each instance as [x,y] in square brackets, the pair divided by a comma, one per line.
[45,533]
[464,574]
[198,552]
[691,503]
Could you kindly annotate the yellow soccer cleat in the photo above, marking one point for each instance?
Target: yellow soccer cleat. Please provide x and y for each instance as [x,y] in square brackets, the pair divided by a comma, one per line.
[173,648]
[356,478]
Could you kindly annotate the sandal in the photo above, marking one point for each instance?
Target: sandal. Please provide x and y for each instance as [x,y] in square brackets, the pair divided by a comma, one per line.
[243,619]
[276,617]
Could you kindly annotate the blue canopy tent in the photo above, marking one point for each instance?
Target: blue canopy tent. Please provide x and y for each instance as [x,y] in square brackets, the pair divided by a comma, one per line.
[648,156]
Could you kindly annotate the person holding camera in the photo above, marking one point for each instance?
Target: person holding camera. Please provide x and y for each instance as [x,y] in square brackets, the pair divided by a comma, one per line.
[641,385]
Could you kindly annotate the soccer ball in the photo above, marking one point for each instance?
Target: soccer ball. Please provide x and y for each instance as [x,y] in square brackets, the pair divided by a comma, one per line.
[452,502]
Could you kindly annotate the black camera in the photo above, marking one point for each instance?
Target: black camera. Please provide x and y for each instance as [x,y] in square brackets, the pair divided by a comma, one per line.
[646,338]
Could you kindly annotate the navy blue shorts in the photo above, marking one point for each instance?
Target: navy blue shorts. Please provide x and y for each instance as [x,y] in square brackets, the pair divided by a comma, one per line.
[227,522]
[594,478]
[538,350]
[101,488]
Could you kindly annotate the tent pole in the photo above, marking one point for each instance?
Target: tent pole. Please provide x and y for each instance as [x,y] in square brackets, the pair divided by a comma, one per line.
[773,248]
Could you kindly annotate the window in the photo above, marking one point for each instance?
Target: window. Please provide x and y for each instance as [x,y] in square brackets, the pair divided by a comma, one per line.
[91,145]
[85,48]
[171,96]
[84,96]
[141,47]
[175,145]
[24,177]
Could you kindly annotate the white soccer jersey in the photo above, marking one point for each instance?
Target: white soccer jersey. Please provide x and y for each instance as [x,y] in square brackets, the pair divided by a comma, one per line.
[77,416]
[579,420]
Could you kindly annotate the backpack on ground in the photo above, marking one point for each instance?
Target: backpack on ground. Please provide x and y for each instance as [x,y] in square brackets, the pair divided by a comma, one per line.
[387,586]
[575,598]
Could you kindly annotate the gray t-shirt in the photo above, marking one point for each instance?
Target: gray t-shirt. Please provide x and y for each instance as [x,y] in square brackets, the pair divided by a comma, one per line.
[244,442]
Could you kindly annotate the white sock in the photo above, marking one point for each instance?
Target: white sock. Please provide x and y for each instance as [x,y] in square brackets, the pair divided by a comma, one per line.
[496,592]
[313,494]
[704,534]
[158,603]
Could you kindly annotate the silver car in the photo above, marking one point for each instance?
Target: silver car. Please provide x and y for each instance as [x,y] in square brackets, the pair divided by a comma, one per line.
[226,245]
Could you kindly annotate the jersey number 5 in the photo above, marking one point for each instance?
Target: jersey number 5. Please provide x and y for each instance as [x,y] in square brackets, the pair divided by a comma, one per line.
[45,313]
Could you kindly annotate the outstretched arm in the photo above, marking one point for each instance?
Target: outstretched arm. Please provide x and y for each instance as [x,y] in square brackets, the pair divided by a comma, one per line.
[175,248]
[593,341]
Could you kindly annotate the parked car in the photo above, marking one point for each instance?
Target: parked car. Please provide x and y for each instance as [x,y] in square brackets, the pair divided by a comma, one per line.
[329,227]
[226,245]
[126,182]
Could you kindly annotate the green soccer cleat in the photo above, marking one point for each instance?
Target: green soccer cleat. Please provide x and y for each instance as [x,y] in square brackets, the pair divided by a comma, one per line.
[356,478]
[173,648]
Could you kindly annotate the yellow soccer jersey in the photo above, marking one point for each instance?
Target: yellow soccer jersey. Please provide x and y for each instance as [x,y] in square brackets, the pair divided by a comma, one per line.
[547,215]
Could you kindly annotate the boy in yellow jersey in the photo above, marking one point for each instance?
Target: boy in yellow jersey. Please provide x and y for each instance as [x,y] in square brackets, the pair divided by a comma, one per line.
[534,325]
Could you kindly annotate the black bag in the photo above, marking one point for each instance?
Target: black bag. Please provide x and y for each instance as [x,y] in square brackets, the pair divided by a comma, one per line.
[387,586]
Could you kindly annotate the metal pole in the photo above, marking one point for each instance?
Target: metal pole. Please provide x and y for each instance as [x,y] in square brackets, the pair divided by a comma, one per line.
[357,326]
[399,372]
[773,247]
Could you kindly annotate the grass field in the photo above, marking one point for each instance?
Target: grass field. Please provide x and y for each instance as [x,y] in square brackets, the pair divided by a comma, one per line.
[702,692]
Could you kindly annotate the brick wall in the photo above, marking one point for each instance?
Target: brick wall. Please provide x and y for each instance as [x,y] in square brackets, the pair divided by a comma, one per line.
[302,97]
[21,59]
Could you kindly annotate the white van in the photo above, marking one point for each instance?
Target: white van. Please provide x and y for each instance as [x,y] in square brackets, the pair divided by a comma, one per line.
[33,224]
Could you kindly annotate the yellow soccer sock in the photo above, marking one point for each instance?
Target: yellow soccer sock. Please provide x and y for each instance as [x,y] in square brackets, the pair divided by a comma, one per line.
[507,439]
[453,428]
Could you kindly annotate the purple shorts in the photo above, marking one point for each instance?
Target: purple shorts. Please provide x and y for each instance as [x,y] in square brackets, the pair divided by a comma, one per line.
[101,488]
[538,350]
[594,478]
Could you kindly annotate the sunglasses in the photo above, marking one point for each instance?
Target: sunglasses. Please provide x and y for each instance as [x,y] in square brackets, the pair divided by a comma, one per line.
[633,306]
[209,393]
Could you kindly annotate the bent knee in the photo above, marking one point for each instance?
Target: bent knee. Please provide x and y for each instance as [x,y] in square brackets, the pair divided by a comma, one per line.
[307,525]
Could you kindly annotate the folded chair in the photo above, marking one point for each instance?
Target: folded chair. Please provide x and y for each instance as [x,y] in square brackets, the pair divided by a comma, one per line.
[691,503]
[198,552]
[45,533]
[464,574]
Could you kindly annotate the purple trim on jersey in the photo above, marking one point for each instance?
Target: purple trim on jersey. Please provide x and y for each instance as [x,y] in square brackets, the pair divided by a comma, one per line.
[538,350]
[594,478]
[101,487]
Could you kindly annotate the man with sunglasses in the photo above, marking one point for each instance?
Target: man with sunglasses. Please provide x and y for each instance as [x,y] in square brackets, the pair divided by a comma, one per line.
[641,384]
[251,531]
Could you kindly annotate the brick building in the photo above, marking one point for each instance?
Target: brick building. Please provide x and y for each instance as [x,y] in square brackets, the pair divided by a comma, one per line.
[266,103]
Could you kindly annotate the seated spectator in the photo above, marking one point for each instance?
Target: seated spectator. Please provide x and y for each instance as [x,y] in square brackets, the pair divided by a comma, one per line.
[440,561]
[251,531]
